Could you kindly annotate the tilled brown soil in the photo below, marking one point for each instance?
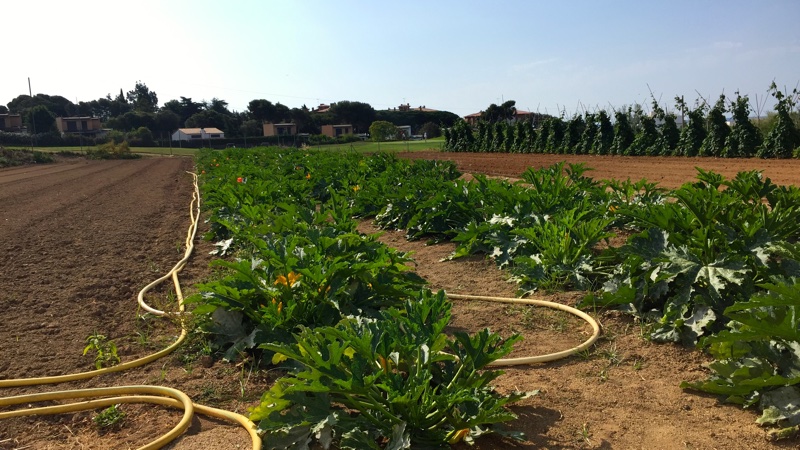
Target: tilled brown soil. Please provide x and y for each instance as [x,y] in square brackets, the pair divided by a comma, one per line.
[667,171]
[77,242]
[79,239]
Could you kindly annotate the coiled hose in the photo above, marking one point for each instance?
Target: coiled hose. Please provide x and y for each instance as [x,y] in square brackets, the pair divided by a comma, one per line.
[541,358]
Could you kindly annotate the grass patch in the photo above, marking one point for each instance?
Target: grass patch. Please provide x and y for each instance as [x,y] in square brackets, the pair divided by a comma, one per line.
[389,146]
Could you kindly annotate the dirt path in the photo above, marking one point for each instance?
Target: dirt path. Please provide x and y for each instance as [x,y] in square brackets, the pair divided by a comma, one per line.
[79,239]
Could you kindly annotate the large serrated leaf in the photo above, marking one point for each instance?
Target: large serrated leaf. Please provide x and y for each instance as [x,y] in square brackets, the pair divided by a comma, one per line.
[400,439]
[294,438]
[702,317]
[229,329]
[781,407]
[721,273]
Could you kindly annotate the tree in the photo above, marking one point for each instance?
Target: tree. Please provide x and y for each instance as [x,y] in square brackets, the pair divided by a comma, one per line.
[84,109]
[304,120]
[415,118]
[206,119]
[143,136]
[282,113]
[132,120]
[119,105]
[360,115]
[39,119]
[142,98]
[166,121]
[380,130]
[56,104]
[251,128]
[184,108]
[218,105]
[261,110]
[3,110]
[430,130]
[505,112]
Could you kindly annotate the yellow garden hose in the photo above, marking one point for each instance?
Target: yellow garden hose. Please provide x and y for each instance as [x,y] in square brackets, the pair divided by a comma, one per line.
[133,394]
[541,358]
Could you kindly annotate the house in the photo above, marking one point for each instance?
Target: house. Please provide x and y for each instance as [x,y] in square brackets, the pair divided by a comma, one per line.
[86,126]
[10,122]
[279,129]
[404,132]
[336,130]
[322,108]
[533,118]
[473,118]
[193,134]
[407,107]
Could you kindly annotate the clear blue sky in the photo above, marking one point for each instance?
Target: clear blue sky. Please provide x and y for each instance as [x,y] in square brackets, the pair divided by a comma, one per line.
[458,56]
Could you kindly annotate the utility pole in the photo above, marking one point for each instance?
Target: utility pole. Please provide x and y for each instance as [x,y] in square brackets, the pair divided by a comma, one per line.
[33,122]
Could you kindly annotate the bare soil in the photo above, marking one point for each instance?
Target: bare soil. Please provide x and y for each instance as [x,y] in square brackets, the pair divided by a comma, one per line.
[667,171]
[78,239]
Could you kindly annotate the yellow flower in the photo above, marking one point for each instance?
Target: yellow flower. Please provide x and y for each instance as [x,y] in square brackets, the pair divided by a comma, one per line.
[308,176]
[385,364]
[278,358]
[456,436]
[288,280]
[356,188]
[280,307]
[612,208]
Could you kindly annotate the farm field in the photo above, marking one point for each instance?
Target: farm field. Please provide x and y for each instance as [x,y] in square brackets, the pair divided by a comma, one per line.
[667,171]
[158,151]
[79,239]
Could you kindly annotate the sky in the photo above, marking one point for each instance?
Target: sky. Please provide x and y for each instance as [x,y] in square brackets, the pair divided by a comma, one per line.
[459,56]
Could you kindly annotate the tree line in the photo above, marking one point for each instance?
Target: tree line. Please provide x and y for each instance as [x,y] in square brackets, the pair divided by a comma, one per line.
[137,114]
[703,130]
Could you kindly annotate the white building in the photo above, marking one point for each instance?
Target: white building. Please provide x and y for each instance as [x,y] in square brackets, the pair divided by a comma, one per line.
[193,134]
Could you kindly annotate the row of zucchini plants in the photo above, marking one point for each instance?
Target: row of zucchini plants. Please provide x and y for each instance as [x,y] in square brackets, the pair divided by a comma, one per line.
[712,264]
[368,363]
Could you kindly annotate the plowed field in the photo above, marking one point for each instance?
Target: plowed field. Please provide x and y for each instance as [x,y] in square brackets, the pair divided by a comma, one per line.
[669,172]
[79,239]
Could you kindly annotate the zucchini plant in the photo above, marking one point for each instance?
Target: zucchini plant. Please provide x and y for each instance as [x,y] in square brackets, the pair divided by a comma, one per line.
[396,382]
